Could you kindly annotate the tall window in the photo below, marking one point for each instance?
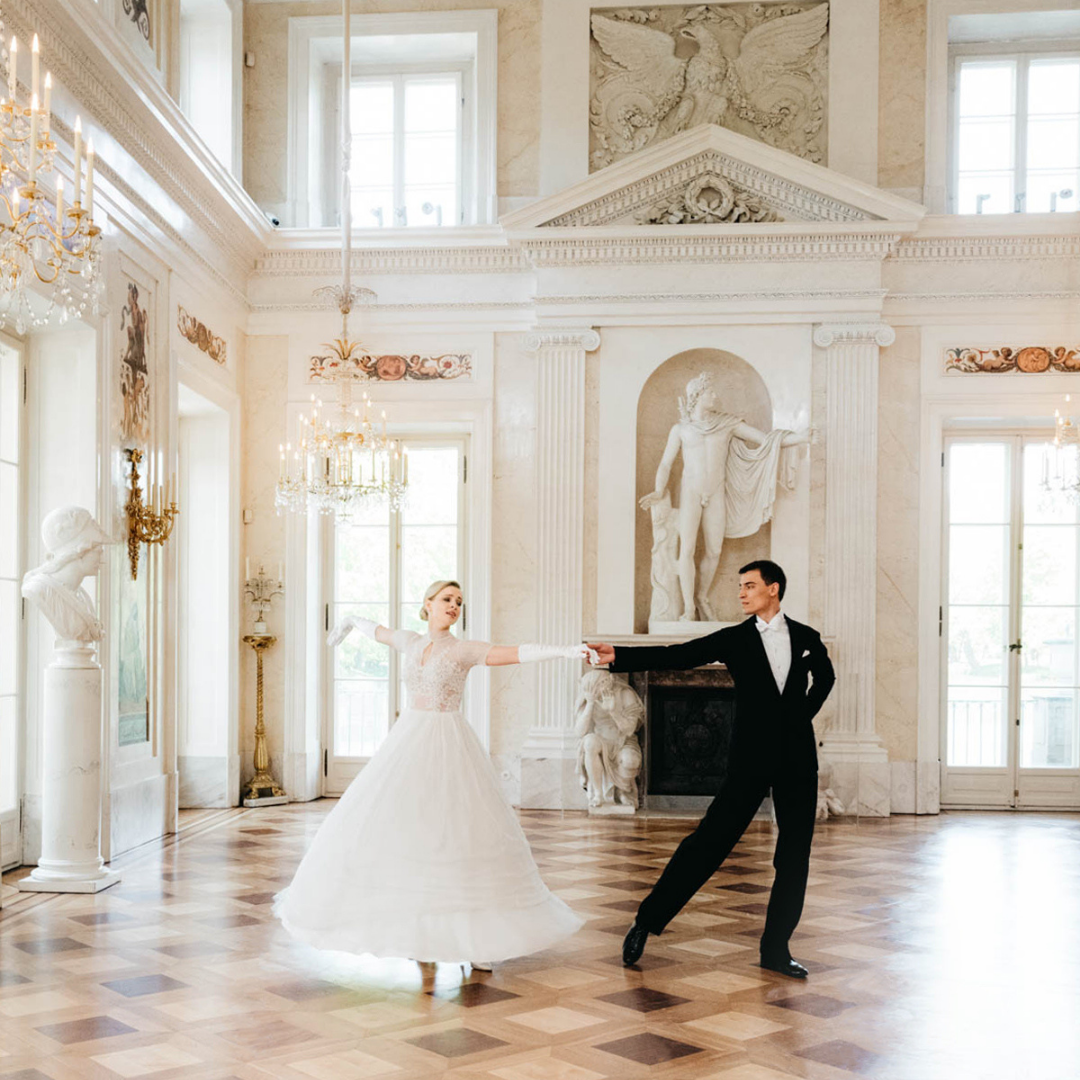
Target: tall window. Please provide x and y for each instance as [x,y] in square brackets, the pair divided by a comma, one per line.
[1016,143]
[382,562]
[11,401]
[406,149]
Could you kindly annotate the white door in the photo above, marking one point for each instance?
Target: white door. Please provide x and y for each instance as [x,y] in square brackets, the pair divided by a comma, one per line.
[12,651]
[379,564]
[1009,615]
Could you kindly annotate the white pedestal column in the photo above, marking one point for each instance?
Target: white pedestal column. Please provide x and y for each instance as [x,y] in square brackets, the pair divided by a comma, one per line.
[71,796]
[859,759]
[547,767]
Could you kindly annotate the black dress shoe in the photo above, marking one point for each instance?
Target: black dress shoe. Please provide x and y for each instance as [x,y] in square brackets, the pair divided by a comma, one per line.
[634,944]
[785,967]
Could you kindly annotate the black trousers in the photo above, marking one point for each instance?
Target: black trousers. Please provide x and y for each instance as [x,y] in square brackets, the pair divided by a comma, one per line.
[794,792]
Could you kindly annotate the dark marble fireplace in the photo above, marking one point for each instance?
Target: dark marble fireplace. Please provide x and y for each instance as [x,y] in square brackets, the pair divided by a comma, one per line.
[688,723]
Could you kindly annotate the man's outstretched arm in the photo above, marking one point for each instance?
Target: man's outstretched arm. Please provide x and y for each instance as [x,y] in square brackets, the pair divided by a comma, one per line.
[687,654]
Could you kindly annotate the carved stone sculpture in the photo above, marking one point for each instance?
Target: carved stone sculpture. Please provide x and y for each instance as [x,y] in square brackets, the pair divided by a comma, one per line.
[729,479]
[828,802]
[758,69]
[74,544]
[608,716]
[708,200]
[71,711]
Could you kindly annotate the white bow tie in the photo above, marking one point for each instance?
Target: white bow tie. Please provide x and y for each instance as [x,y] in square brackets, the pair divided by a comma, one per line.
[764,627]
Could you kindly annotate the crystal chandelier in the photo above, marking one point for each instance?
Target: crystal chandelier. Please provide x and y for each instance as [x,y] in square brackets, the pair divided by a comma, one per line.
[341,461]
[51,249]
[1061,461]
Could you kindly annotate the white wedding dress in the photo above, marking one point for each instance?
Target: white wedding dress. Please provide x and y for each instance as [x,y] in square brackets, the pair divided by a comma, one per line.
[422,857]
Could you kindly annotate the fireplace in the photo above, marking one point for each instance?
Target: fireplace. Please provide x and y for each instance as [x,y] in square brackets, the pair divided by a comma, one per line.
[688,723]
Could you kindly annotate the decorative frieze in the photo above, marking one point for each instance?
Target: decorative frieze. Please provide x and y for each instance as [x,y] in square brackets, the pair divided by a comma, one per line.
[1026,359]
[428,260]
[981,248]
[191,329]
[390,367]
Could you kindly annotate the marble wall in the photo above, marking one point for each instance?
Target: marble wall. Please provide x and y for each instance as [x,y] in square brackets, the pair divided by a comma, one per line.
[266,109]
[898,546]
[902,97]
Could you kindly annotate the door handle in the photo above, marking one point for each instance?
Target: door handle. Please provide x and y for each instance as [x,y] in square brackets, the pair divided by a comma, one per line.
[1015,646]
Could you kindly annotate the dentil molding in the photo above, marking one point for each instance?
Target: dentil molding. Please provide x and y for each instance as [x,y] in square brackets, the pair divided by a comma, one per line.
[869,333]
[427,260]
[585,339]
[981,248]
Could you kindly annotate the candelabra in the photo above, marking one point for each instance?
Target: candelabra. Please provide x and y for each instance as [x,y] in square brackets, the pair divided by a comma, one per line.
[261,789]
[58,246]
[148,523]
[262,590]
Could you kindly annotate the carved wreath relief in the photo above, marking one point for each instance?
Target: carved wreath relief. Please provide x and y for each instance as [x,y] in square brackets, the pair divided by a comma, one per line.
[758,69]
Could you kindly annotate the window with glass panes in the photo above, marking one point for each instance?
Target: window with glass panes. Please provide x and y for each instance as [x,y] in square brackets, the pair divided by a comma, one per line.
[1016,143]
[11,402]
[382,563]
[406,149]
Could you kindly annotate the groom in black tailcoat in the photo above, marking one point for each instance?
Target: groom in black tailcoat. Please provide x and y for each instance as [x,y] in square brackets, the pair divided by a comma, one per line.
[782,675]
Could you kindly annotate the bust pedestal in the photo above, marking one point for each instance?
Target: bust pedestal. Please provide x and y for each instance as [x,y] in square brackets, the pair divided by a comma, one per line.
[71,795]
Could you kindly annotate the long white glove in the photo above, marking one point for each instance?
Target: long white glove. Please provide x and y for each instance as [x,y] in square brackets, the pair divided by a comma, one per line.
[347,625]
[528,653]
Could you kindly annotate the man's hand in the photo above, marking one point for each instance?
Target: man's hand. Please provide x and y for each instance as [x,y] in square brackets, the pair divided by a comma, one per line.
[605,654]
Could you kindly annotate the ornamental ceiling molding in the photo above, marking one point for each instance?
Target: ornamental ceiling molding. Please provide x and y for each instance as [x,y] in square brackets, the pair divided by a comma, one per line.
[430,260]
[586,251]
[101,90]
[975,249]
[783,198]
[769,296]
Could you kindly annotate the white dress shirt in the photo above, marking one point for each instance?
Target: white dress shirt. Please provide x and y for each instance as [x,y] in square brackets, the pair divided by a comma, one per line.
[776,637]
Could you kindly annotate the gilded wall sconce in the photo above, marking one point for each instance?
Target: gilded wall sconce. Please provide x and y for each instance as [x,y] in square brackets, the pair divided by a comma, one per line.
[147,522]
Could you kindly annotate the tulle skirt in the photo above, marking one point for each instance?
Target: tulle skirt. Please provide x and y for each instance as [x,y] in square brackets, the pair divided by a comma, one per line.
[423,858]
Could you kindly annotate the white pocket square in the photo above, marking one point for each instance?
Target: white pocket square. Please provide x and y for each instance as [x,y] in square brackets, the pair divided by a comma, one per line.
[806,652]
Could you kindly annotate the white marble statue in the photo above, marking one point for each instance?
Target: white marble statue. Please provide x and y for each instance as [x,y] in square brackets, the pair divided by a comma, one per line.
[607,718]
[74,546]
[730,472]
[828,802]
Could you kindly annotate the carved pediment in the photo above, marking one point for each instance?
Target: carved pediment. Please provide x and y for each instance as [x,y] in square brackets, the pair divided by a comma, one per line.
[711,176]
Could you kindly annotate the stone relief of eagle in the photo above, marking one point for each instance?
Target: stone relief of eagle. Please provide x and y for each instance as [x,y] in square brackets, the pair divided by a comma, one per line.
[763,79]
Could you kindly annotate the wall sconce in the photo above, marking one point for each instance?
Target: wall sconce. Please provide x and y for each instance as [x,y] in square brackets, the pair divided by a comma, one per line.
[148,523]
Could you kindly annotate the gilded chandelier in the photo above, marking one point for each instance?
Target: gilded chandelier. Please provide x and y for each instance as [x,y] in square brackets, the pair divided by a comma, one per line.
[41,244]
[341,460]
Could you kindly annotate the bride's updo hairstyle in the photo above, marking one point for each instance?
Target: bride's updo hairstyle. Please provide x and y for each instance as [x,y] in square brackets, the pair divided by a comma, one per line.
[433,590]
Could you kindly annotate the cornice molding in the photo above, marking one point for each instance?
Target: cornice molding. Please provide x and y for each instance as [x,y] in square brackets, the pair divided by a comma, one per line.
[869,333]
[429,260]
[584,338]
[976,249]
[810,295]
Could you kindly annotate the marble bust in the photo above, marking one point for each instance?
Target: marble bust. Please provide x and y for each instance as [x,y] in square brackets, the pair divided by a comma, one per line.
[608,716]
[74,544]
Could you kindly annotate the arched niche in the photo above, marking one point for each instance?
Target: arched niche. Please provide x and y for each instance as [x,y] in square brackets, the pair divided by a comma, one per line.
[742,391]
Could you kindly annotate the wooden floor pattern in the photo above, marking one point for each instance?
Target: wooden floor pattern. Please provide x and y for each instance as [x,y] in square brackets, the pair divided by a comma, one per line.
[940,949]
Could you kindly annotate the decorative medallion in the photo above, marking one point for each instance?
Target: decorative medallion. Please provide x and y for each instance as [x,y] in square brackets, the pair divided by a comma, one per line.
[390,367]
[1029,359]
[709,199]
[197,333]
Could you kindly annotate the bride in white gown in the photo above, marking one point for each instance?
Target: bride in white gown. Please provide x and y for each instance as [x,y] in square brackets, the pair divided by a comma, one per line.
[422,857]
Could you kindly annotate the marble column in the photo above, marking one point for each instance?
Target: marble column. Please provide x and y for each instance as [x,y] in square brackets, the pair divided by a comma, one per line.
[858,756]
[547,767]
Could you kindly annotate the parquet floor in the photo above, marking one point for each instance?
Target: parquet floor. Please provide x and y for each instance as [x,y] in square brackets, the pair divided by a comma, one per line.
[940,949]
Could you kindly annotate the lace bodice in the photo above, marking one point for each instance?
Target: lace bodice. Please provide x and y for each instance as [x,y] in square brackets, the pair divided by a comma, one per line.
[437,683]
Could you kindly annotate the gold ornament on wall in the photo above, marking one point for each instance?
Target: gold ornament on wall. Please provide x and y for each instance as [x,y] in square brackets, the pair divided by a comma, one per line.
[147,522]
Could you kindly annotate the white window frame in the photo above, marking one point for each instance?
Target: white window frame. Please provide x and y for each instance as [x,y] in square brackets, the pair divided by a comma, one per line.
[11,820]
[335,778]
[960,54]
[308,147]
[330,181]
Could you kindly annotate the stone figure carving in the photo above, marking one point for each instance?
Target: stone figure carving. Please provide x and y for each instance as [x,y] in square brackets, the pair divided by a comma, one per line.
[74,544]
[705,201]
[608,716]
[758,69]
[730,473]
[828,802]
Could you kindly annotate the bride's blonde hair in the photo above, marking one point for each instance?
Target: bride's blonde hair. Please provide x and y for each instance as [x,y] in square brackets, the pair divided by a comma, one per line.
[433,590]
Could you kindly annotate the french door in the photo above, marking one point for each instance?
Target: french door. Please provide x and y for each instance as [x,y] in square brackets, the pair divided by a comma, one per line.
[379,565]
[1009,628]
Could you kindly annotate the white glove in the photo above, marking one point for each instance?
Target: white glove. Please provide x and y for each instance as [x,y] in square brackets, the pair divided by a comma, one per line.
[528,653]
[347,625]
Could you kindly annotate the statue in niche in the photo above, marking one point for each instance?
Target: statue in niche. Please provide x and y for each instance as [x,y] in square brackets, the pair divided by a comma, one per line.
[74,545]
[730,473]
[757,69]
[607,718]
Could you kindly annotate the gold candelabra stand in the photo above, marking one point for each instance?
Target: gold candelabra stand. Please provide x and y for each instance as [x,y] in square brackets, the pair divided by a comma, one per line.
[262,788]
[148,523]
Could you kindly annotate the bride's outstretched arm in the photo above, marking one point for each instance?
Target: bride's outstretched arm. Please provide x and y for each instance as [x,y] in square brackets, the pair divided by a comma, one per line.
[367,627]
[501,655]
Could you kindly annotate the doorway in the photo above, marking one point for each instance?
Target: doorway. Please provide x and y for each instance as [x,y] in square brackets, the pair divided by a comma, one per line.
[1009,628]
